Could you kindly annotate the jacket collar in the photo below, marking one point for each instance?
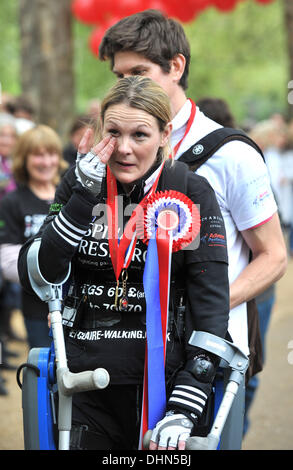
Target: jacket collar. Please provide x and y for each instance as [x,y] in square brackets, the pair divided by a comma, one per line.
[142,185]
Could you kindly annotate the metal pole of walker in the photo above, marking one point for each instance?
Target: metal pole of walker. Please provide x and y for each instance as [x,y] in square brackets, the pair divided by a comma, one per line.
[65,402]
[224,409]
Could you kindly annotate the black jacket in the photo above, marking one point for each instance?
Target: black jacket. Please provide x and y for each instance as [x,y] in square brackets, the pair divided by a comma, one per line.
[116,339]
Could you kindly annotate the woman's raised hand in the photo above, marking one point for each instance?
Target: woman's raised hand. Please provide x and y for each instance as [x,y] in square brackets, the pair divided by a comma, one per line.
[91,163]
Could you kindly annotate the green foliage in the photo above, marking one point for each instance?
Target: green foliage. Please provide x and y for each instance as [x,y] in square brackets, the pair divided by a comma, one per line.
[240,56]
[93,77]
[9,49]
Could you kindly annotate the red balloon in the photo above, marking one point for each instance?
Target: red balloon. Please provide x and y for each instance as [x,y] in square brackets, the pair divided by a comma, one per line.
[82,10]
[95,40]
[183,11]
[264,1]
[93,11]
[202,4]
[155,5]
[98,33]
[225,5]
[130,7]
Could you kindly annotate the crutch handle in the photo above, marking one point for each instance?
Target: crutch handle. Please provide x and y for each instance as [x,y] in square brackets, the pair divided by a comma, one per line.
[70,382]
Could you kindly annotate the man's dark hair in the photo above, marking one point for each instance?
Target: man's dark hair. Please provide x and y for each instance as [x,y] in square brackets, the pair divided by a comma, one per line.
[151,34]
[218,110]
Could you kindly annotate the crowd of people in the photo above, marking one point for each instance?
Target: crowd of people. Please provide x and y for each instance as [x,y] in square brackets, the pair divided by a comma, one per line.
[242,208]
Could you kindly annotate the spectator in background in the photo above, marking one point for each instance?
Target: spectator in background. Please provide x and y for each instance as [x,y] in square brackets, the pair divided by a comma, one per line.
[6,103]
[9,292]
[288,164]
[94,108]
[271,136]
[8,138]
[24,113]
[78,127]
[23,108]
[218,110]
[37,166]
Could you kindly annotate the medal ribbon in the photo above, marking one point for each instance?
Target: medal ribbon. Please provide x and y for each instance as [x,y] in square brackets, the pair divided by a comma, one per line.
[156,286]
[120,255]
[189,124]
[156,282]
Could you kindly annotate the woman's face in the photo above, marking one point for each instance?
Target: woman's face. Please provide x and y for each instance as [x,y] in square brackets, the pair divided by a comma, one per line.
[8,138]
[138,139]
[42,166]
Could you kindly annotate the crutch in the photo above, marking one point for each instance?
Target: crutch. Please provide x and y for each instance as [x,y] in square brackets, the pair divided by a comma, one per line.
[237,362]
[233,358]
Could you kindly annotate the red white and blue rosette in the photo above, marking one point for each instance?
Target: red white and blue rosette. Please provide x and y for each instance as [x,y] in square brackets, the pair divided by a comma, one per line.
[171,221]
[173,212]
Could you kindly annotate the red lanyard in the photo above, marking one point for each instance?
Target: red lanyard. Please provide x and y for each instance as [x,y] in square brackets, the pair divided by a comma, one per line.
[189,124]
[118,249]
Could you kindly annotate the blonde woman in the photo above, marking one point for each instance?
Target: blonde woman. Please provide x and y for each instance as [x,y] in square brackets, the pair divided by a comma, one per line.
[110,290]
[37,165]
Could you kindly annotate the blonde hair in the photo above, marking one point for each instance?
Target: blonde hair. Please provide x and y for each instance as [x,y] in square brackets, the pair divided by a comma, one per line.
[32,141]
[144,94]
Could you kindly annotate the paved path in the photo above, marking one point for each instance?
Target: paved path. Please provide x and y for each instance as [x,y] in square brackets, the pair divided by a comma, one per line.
[272,411]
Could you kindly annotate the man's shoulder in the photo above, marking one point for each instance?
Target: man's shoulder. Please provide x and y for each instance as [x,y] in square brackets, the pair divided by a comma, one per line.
[238,149]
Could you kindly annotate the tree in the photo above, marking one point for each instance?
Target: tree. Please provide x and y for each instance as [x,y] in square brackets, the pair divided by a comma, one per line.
[47,60]
[288,12]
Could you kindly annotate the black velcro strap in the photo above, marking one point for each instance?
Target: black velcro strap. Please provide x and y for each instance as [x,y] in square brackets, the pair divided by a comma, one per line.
[81,438]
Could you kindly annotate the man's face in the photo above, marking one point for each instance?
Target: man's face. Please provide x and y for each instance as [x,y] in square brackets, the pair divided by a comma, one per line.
[129,63]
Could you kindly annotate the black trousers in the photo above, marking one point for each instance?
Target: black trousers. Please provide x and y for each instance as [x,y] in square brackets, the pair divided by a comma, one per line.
[107,419]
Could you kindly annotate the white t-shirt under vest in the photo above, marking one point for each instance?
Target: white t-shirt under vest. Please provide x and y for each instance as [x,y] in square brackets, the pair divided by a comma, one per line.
[241,182]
